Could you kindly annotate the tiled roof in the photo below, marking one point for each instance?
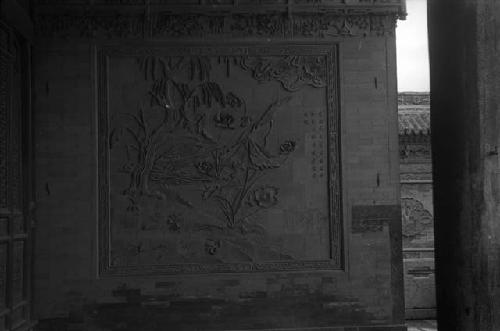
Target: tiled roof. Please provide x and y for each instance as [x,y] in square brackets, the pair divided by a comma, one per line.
[415,121]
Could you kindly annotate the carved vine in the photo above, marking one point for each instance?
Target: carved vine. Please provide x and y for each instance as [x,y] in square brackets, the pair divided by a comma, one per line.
[293,72]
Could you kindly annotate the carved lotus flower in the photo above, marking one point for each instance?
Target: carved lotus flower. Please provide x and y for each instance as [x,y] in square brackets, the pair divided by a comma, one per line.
[128,167]
[245,121]
[287,147]
[233,100]
[173,223]
[265,196]
[204,167]
[211,246]
[224,120]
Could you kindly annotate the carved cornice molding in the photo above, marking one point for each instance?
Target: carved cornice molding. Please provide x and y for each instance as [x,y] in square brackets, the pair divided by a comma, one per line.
[418,99]
[272,19]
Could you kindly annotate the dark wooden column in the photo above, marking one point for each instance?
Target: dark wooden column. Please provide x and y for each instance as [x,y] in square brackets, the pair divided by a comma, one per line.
[465,120]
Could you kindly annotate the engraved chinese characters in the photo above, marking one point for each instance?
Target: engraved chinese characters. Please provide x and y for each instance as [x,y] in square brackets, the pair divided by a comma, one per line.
[205,160]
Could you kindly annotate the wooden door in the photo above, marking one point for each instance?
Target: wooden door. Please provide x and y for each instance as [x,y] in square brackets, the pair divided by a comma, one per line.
[16,198]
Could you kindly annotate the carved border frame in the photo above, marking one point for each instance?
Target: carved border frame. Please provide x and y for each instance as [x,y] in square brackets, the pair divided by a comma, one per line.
[336,260]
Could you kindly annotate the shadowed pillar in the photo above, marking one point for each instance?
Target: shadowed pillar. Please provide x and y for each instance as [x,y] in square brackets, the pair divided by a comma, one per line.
[465,76]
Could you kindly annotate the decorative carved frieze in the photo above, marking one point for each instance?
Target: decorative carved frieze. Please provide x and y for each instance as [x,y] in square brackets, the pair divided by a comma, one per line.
[414,99]
[167,25]
[105,19]
[200,149]
[84,26]
[415,152]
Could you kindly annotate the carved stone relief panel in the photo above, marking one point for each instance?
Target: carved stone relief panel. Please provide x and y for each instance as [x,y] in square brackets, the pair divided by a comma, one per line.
[218,159]
[418,223]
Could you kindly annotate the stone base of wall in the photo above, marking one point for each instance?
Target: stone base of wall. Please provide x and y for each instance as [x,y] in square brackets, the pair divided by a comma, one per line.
[420,287]
[420,314]
[65,324]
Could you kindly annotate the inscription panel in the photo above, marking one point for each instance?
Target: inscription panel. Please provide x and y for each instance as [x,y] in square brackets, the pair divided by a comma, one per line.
[218,159]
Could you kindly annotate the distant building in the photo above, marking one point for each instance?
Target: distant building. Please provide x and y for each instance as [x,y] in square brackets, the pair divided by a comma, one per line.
[416,204]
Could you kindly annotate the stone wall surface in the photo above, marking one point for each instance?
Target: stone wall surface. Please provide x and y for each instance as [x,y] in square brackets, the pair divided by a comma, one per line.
[230,186]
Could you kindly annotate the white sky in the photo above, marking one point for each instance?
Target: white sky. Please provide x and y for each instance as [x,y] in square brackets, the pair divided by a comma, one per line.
[412,49]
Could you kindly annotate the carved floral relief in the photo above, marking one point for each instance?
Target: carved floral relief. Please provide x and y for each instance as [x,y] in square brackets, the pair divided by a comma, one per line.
[204,169]
[417,221]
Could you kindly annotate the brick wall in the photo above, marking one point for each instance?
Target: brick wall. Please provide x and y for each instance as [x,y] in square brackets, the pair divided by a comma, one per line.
[70,292]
